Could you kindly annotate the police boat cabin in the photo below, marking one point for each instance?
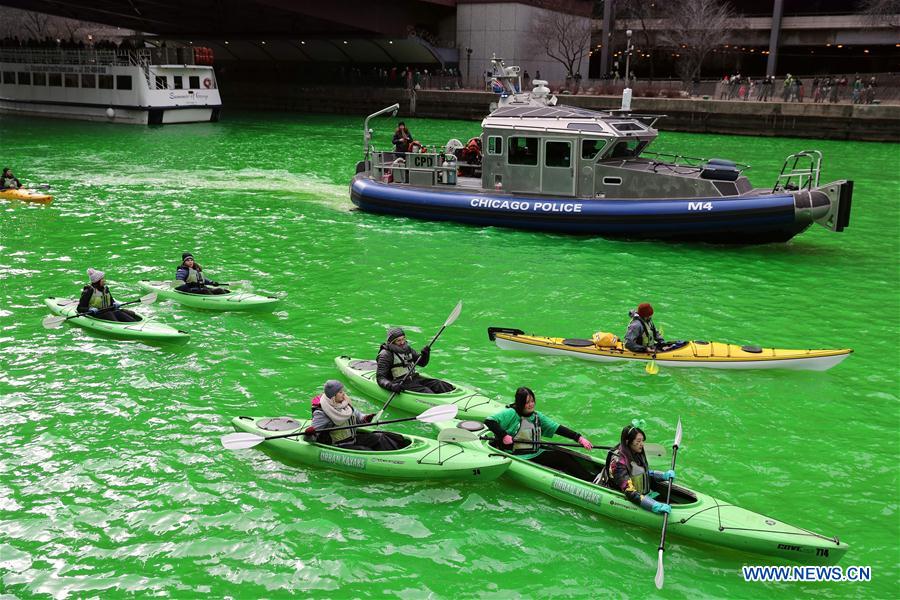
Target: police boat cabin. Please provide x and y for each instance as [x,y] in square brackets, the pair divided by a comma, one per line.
[541,165]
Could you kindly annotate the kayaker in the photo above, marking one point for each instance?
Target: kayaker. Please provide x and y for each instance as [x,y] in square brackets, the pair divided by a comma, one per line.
[642,335]
[628,471]
[519,429]
[402,138]
[333,408]
[195,281]
[396,358]
[8,181]
[96,297]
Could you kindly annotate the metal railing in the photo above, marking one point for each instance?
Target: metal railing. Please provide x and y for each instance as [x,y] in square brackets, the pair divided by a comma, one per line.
[806,168]
[142,57]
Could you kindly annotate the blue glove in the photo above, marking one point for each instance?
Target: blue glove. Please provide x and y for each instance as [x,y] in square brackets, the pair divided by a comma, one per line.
[93,310]
[648,503]
[117,305]
[663,475]
[661,507]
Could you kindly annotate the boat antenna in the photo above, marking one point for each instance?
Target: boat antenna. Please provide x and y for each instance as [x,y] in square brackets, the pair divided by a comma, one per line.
[367,133]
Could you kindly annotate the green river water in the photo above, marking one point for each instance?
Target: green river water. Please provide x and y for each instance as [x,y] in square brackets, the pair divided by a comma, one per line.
[113,482]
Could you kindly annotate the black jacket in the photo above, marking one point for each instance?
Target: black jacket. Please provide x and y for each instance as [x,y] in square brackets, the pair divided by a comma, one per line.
[386,362]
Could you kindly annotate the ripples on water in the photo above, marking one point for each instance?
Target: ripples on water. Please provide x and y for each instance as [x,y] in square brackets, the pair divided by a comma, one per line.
[112,478]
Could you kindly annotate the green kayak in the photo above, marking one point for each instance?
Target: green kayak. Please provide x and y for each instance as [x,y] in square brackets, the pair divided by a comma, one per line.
[423,459]
[695,516]
[234,301]
[361,376]
[143,330]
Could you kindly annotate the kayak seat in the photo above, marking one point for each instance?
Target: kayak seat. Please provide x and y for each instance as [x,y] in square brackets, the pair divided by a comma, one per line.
[471,425]
[577,342]
[753,349]
[363,365]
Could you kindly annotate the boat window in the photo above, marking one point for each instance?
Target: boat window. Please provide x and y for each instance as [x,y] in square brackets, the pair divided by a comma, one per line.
[627,149]
[39,79]
[178,82]
[54,79]
[88,80]
[591,148]
[123,82]
[162,82]
[628,126]
[24,77]
[495,145]
[194,82]
[9,76]
[71,80]
[558,154]
[105,82]
[523,151]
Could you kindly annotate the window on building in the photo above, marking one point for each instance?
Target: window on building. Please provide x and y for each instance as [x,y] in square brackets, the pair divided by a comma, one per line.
[123,82]
[178,82]
[194,82]
[88,80]
[105,82]
[523,151]
[9,77]
[54,79]
[39,79]
[71,80]
[495,145]
[558,154]
[24,77]
[591,148]
[162,82]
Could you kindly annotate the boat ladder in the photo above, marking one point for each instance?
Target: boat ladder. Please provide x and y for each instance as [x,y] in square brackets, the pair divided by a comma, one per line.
[804,166]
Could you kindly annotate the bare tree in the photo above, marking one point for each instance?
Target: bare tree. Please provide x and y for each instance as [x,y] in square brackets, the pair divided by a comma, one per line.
[564,38]
[36,25]
[693,29]
[882,12]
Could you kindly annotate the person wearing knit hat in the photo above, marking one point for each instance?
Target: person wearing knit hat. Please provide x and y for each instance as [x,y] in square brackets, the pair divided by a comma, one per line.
[642,335]
[194,281]
[333,408]
[97,301]
[397,362]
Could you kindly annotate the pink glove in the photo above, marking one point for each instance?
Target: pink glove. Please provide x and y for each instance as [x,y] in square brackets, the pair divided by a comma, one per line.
[583,441]
[507,440]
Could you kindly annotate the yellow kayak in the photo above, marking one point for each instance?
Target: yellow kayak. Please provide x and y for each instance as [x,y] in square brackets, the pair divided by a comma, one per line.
[26,195]
[697,353]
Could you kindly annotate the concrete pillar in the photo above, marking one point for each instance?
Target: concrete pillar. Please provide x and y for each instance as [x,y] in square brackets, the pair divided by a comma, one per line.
[605,36]
[774,36]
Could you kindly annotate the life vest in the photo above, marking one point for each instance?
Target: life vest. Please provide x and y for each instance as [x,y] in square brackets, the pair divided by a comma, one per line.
[100,299]
[416,146]
[194,276]
[528,435]
[9,182]
[402,363]
[342,437]
[648,331]
[638,472]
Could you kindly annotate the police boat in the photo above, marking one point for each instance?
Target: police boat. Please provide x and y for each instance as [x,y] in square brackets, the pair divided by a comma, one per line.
[543,166]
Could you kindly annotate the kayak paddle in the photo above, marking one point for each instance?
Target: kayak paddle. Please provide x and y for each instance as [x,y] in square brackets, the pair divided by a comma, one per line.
[54,321]
[435,414]
[652,368]
[454,314]
[662,541]
[651,449]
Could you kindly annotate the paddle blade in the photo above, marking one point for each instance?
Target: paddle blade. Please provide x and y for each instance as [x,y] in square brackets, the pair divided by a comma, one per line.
[436,414]
[652,368]
[241,441]
[453,315]
[678,434]
[660,576]
[52,322]
[456,435]
[149,298]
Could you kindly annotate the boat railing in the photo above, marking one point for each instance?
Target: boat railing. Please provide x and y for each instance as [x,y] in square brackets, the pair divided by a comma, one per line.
[424,169]
[800,171]
[686,161]
[120,58]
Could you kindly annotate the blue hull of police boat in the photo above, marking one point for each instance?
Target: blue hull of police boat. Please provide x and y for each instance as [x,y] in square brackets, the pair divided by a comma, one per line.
[738,219]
